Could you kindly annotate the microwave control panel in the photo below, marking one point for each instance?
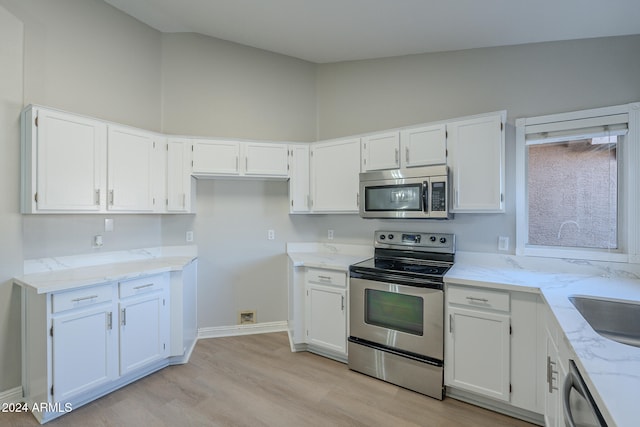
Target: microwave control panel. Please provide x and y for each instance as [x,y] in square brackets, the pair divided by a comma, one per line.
[438,196]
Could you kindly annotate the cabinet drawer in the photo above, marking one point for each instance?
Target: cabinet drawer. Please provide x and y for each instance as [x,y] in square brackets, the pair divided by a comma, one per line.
[327,277]
[81,297]
[140,286]
[481,298]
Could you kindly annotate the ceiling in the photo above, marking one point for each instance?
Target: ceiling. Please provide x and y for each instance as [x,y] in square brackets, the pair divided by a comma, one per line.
[324,31]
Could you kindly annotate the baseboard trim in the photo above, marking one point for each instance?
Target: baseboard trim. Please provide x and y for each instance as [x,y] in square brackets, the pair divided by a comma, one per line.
[496,406]
[235,330]
[13,395]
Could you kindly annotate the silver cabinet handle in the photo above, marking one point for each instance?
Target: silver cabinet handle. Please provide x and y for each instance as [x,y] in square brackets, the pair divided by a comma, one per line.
[110,320]
[342,308]
[111,197]
[97,197]
[406,154]
[143,286]
[246,163]
[397,156]
[550,373]
[450,324]
[84,298]
[123,316]
[236,163]
[474,299]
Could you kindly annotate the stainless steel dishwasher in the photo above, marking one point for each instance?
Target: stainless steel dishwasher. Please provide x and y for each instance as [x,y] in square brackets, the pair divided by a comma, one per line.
[578,405]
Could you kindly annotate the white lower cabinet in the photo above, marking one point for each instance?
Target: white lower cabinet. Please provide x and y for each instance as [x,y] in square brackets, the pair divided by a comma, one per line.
[493,349]
[84,349]
[82,343]
[318,301]
[326,317]
[479,352]
[144,327]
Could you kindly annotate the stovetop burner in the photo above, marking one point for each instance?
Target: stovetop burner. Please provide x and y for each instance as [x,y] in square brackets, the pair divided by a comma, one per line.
[420,256]
[395,265]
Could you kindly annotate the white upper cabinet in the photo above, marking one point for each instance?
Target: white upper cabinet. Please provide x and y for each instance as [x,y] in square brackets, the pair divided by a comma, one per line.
[335,170]
[216,157]
[213,158]
[477,161]
[266,159]
[299,197]
[405,148]
[63,162]
[381,151]
[132,169]
[179,186]
[424,146]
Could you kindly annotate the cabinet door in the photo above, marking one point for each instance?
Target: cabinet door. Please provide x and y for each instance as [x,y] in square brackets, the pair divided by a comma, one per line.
[381,151]
[132,168]
[478,355]
[335,176]
[299,178]
[216,158]
[143,331]
[424,146]
[476,159]
[178,176]
[84,348]
[326,317]
[70,158]
[266,159]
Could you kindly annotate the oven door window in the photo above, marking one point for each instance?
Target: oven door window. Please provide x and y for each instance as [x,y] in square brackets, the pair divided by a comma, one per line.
[399,312]
[406,197]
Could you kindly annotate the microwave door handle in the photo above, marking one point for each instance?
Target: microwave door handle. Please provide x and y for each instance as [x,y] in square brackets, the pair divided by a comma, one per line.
[425,197]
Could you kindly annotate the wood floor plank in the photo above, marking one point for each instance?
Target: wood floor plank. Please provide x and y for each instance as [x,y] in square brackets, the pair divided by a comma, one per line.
[255,380]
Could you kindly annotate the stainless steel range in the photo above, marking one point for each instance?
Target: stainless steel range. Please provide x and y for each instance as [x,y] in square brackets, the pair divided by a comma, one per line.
[397,310]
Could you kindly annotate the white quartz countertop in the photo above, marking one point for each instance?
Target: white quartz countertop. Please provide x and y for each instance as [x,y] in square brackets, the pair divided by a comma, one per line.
[64,273]
[328,256]
[610,369]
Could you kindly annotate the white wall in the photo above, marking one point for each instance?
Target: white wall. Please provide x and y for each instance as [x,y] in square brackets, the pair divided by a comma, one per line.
[11,37]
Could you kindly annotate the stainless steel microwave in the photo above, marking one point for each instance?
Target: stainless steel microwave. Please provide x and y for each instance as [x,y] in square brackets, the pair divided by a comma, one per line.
[405,193]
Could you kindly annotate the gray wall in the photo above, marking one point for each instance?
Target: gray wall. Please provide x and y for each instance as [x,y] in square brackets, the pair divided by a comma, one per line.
[86,57]
[11,36]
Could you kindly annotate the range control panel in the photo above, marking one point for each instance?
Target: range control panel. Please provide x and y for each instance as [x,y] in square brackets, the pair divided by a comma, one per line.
[417,241]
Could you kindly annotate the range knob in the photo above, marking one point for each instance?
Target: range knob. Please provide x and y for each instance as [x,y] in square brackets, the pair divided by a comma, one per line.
[382,237]
[443,240]
[390,236]
[432,238]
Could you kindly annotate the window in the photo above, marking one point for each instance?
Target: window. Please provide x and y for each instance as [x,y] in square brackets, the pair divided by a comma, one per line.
[573,197]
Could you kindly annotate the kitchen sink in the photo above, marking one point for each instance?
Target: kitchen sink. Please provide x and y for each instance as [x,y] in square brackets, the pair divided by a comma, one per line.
[618,320]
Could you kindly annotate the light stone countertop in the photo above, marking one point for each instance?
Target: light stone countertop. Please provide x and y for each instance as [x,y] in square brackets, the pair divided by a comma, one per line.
[610,369]
[328,256]
[72,272]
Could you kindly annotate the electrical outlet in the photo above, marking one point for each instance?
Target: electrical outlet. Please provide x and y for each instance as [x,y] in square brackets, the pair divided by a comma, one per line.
[330,234]
[503,243]
[97,241]
[271,234]
[189,236]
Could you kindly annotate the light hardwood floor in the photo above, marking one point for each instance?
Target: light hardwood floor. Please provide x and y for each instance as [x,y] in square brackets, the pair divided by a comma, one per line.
[256,381]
